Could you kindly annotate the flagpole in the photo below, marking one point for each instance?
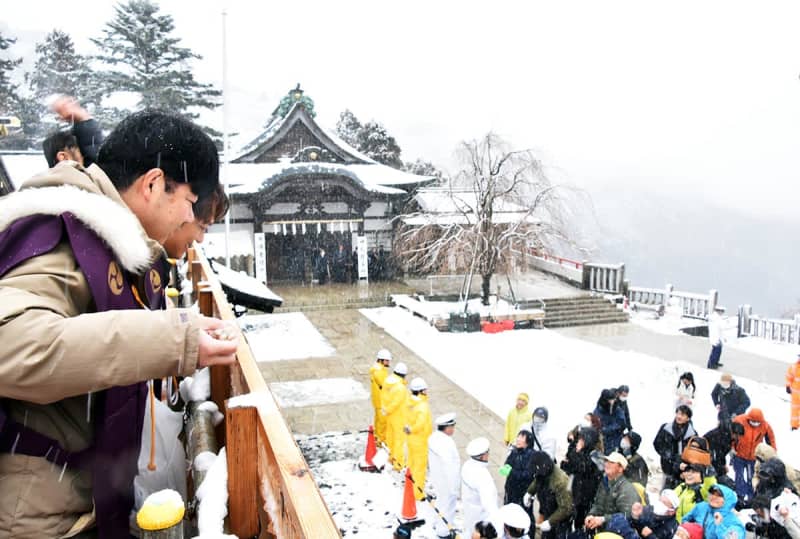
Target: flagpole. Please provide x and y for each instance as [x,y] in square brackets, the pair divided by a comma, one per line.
[225,149]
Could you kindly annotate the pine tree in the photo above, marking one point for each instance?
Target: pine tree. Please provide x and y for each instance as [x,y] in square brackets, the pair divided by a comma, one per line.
[377,143]
[423,168]
[59,70]
[8,90]
[348,128]
[147,60]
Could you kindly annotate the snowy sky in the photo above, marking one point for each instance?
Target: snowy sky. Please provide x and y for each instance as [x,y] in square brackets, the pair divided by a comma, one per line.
[684,95]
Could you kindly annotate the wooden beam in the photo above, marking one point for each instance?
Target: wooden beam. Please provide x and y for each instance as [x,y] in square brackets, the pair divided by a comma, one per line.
[242,453]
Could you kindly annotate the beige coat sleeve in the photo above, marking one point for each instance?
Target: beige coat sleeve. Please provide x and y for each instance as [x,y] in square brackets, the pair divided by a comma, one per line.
[51,350]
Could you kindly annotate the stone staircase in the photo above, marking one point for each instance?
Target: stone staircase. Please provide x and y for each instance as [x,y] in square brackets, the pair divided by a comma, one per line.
[581,311]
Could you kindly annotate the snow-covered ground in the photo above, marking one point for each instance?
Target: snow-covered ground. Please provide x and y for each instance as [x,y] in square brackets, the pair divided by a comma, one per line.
[567,375]
[275,337]
[318,391]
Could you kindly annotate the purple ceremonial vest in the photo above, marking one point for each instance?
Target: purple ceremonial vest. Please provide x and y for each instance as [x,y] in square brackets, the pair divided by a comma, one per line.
[119,411]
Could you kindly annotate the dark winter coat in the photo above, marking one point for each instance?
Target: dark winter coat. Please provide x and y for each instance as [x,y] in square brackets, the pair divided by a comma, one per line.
[612,424]
[669,444]
[550,485]
[586,474]
[663,527]
[521,472]
[626,413]
[732,401]
[719,444]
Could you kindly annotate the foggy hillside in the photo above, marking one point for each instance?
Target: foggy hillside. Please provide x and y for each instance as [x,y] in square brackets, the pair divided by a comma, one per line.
[673,238]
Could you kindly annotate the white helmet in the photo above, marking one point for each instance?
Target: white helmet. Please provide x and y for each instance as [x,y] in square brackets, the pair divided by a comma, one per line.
[401,369]
[514,516]
[478,447]
[418,384]
[383,353]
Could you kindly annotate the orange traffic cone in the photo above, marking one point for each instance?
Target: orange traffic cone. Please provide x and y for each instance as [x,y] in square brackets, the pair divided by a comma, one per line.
[371,449]
[366,464]
[409,510]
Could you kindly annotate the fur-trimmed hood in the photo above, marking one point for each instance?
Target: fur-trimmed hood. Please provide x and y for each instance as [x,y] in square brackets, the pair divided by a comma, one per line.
[91,197]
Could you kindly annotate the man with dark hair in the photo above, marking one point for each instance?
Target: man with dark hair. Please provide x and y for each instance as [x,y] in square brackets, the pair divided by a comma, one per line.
[207,211]
[80,143]
[79,337]
[670,441]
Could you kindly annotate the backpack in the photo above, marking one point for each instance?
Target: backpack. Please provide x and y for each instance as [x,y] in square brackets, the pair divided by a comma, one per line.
[697,451]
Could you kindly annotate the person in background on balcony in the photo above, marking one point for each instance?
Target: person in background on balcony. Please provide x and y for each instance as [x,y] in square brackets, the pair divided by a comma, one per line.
[729,398]
[517,417]
[444,475]
[377,374]
[685,390]
[80,143]
[207,211]
[715,337]
[78,338]
[793,389]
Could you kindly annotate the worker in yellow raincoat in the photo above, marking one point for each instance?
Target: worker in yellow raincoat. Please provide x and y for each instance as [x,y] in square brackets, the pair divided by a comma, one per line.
[418,428]
[793,389]
[377,374]
[394,407]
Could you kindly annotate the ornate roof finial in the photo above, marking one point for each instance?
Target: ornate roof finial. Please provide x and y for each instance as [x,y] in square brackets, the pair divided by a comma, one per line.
[295,96]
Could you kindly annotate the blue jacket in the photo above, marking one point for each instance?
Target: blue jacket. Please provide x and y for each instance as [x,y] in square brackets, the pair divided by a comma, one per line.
[612,425]
[730,527]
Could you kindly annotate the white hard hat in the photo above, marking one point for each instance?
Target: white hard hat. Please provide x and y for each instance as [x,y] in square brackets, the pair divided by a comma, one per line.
[401,369]
[383,353]
[514,516]
[418,384]
[478,447]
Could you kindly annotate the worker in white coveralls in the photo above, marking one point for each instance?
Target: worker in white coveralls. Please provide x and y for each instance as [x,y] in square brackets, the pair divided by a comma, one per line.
[444,471]
[418,428]
[377,375]
[394,407]
[478,491]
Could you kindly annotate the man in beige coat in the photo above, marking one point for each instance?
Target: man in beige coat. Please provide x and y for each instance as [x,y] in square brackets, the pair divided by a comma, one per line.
[58,354]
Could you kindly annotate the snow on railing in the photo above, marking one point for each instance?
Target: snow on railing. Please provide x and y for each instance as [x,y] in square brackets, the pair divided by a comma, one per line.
[270,489]
[605,278]
[777,330]
[691,305]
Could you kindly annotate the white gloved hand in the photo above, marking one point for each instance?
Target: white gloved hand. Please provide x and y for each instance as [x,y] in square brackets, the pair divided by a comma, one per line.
[526,500]
[545,526]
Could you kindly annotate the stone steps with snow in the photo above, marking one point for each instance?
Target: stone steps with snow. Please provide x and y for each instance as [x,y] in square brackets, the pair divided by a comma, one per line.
[581,311]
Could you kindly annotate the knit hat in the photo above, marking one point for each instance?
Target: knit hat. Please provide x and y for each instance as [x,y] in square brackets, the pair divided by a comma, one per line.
[524,397]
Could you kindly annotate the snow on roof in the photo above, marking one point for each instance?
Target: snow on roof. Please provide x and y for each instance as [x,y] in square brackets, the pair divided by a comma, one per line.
[249,177]
[245,284]
[445,207]
[22,166]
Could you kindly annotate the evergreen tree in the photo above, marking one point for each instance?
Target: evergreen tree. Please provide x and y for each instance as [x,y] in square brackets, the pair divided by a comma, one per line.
[377,143]
[146,59]
[423,168]
[59,70]
[8,90]
[348,128]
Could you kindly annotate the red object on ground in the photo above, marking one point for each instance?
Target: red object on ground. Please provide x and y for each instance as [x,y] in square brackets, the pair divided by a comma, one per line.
[409,510]
[507,324]
[371,448]
[497,327]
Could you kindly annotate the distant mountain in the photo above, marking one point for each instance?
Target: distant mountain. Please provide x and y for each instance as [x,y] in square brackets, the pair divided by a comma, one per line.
[696,246]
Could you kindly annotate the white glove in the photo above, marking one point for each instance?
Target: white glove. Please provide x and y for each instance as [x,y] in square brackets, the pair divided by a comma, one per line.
[526,500]
[545,526]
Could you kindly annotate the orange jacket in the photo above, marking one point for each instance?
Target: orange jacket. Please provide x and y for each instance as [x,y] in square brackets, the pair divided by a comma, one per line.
[793,377]
[745,447]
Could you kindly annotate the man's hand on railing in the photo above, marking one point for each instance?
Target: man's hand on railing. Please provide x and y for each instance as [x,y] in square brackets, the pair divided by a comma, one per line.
[217,344]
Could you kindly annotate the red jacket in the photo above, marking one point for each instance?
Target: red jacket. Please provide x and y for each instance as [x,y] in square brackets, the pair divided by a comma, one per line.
[745,447]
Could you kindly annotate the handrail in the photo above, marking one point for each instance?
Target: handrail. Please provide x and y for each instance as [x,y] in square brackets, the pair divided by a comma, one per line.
[559,259]
[291,504]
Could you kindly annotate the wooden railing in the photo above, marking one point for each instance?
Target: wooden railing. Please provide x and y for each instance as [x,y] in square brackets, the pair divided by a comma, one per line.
[784,331]
[271,490]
